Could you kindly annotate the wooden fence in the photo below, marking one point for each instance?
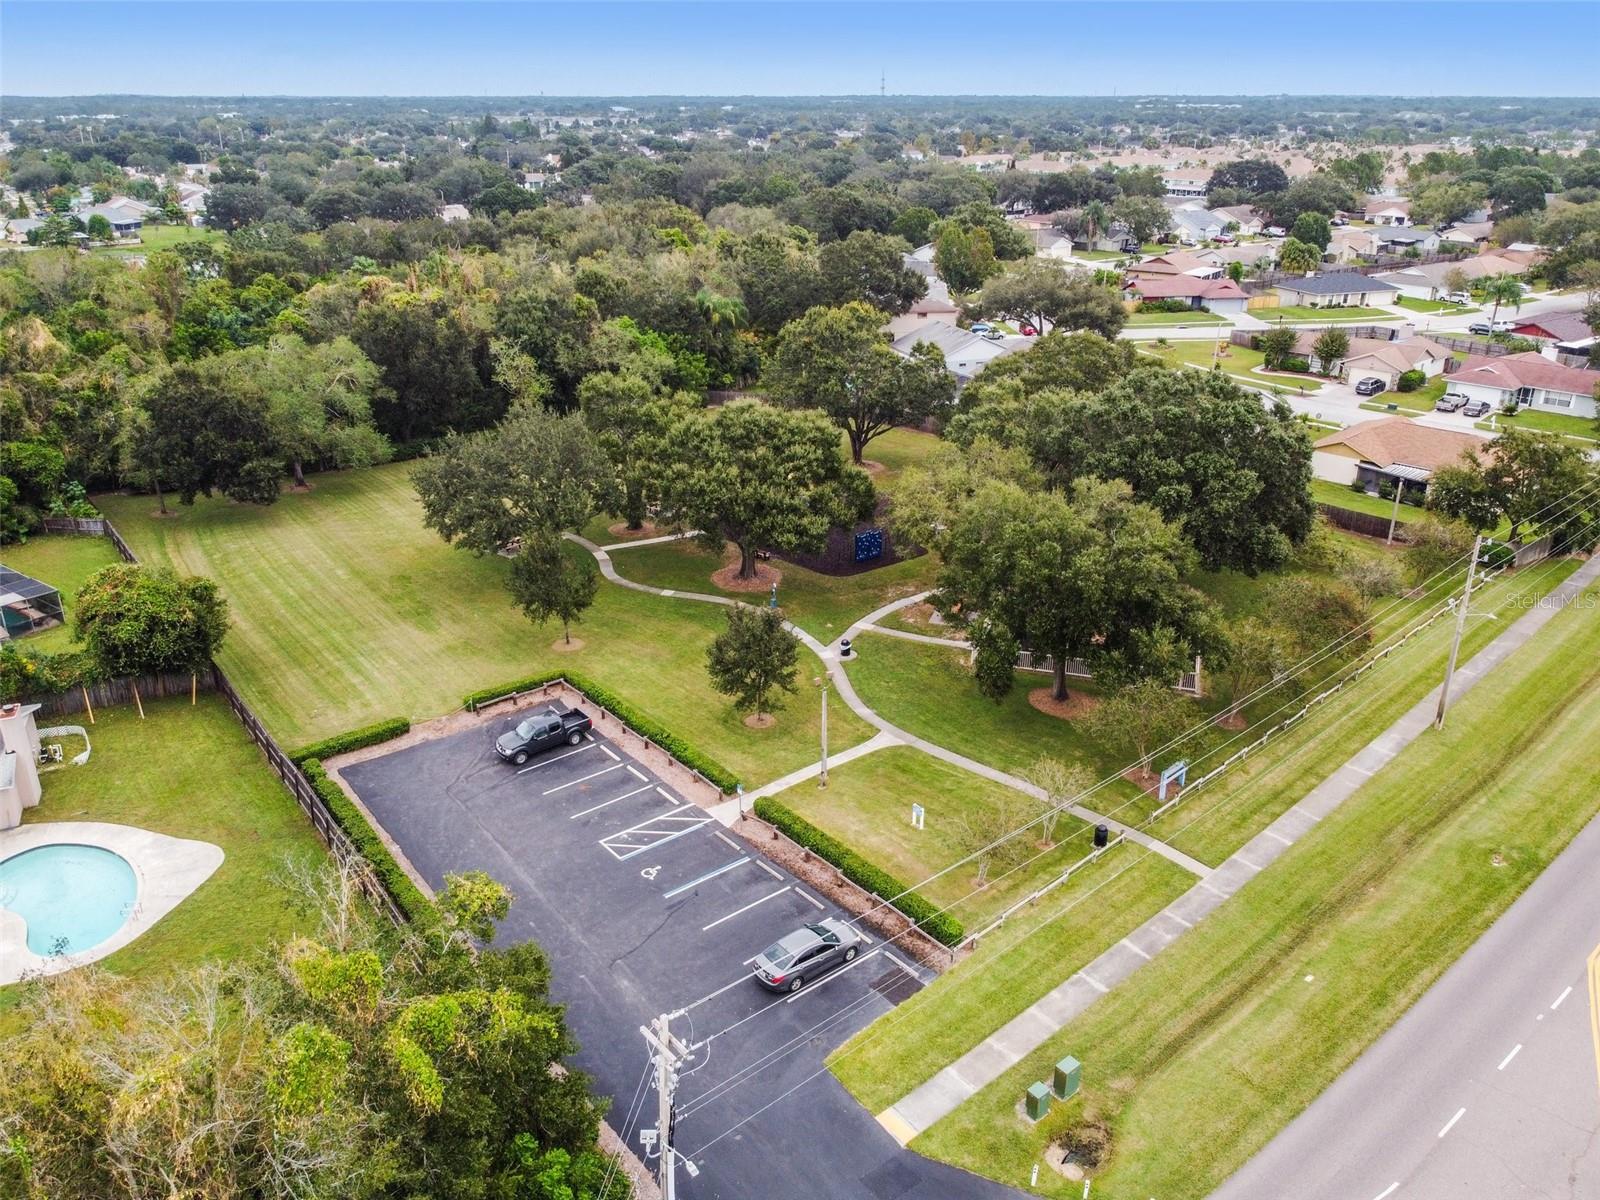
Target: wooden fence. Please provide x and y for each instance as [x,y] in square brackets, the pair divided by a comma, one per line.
[120,691]
[89,525]
[1368,524]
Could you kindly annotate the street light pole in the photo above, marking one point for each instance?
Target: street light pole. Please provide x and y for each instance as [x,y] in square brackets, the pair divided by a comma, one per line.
[1461,624]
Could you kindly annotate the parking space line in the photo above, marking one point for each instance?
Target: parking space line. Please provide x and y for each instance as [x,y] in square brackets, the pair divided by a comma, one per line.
[736,912]
[668,796]
[720,836]
[607,804]
[770,871]
[706,878]
[810,899]
[638,774]
[610,753]
[709,996]
[832,975]
[547,761]
[574,783]
[646,835]
[902,966]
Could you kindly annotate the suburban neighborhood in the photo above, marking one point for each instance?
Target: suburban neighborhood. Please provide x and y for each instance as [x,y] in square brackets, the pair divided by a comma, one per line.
[595,603]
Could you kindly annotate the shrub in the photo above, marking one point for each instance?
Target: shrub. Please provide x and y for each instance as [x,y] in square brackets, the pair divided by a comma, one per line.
[635,720]
[940,926]
[1163,306]
[1410,381]
[1371,578]
[369,845]
[1294,363]
[355,739]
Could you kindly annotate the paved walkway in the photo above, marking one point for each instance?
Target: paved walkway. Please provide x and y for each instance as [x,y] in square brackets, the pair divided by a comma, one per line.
[986,1062]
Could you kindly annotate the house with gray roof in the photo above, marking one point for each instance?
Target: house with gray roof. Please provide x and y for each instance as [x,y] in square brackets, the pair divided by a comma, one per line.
[1335,289]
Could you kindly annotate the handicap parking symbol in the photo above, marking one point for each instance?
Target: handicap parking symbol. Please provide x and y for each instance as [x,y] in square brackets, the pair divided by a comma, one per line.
[650,872]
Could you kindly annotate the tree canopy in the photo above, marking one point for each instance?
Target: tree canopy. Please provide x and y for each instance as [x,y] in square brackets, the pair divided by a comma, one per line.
[1046,294]
[137,620]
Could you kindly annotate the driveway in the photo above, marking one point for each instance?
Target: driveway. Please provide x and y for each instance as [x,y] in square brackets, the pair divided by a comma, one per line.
[645,905]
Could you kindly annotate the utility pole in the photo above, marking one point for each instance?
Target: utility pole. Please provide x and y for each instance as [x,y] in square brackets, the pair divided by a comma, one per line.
[1461,624]
[670,1053]
[1395,515]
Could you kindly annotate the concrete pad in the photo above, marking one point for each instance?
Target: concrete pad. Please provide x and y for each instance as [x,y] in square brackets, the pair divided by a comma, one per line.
[942,1094]
[1232,875]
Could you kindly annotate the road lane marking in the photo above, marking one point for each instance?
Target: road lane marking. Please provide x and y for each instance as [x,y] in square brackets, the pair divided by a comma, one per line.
[809,899]
[1451,1123]
[769,871]
[1388,1191]
[546,762]
[706,878]
[725,987]
[832,975]
[1559,999]
[607,804]
[667,796]
[902,966]
[1506,1061]
[647,835]
[720,836]
[561,787]
[745,909]
[638,774]
[1594,1006]
[610,753]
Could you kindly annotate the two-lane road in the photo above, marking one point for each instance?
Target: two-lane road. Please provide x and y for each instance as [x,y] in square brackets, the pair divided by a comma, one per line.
[1489,1087]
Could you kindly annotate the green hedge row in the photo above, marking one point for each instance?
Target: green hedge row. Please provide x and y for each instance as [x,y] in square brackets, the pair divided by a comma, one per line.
[635,720]
[365,838]
[940,926]
[355,739]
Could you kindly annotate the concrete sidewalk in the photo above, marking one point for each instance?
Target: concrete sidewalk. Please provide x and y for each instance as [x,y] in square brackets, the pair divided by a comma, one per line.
[986,1062]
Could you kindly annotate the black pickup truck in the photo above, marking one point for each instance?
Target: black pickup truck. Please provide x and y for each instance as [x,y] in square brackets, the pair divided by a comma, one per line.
[541,730]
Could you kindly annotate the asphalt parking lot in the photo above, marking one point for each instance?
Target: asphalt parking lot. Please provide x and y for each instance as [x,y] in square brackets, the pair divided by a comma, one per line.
[646,905]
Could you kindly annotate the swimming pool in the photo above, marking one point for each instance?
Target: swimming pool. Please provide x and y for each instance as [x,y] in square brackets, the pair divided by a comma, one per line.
[72,897]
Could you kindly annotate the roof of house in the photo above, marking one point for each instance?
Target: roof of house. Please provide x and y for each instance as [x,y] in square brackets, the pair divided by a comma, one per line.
[1176,262]
[1400,441]
[115,213]
[1403,233]
[1172,287]
[1468,231]
[1565,326]
[1383,204]
[929,305]
[1197,219]
[1242,213]
[1334,283]
[1529,369]
[1403,355]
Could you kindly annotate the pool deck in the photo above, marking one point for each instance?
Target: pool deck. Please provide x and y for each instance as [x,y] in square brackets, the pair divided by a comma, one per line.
[167,871]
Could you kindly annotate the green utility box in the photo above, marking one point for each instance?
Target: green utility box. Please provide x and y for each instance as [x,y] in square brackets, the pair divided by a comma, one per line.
[1069,1074]
[1037,1102]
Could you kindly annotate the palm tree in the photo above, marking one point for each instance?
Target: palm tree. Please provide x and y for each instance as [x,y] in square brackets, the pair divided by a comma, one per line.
[1502,289]
[719,311]
[1095,219]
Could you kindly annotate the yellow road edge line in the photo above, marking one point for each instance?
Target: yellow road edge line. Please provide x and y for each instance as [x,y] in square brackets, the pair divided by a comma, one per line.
[903,1131]
[1594,1007]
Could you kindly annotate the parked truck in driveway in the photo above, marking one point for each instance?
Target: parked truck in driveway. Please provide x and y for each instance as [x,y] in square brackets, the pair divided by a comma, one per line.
[539,731]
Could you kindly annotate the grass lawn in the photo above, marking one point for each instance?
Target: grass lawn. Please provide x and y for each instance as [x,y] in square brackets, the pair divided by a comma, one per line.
[1434,306]
[1011,968]
[1238,361]
[1341,496]
[927,690]
[346,610]
[898,449]
[1202,1056]
[867,805]
[1544,422]
[1397,403]
[191,772]
[163,237]
[822,605]
[65,561]
[1300,312]
[1196,317]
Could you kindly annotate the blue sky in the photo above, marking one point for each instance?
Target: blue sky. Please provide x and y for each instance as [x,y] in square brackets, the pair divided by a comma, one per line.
[585,47]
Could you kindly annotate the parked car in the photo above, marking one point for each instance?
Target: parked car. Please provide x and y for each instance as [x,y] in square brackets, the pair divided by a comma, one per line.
[1475,409]
[1370,386]
[982,327]
[993,335]
[1485,328]
[1029,331]
[1451,402]
[1458,298]
[1224,239]
[540,731]
[805,955]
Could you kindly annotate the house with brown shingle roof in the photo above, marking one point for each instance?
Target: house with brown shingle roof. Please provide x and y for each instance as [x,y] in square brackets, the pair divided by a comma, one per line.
[1376,357]
[1390,449]
[1204,264]
[1218,295]
[1528,380]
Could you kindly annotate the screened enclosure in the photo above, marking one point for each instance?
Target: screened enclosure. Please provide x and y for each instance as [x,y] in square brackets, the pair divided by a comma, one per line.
[26,604]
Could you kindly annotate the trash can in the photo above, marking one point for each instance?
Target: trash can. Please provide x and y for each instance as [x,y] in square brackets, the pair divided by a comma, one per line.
[844,648]
[1102,835]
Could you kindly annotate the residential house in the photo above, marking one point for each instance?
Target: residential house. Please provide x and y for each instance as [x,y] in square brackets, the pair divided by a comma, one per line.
[965,353]
[537,181]
[1369,358]
[1217,295]
[18,228]
[1402,239]
[1249,221]
[1185,183]
[1388,210]
[985,163]
[1393,450]
[1204,264]
[924,312]
[125,223]
[1529,380]
[1251,254]
[1195,225]
[1468,233]
[1566,330]
[1430,281]
[1336,289]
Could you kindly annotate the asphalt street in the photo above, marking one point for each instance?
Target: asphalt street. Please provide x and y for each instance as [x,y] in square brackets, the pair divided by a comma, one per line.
[1488,1088]
[646,905]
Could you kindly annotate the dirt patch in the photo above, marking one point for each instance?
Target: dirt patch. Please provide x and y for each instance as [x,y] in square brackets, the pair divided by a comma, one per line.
[876,469]
[648,529]
[1147,781]
[823,877]
[1076,705]
[727,578]
[1233,721]
[760,721]
[563,646]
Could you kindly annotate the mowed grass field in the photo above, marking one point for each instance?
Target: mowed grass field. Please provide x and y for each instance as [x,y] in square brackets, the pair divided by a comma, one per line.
[1205,1053]
[346,610]
[65,561]
[190,771]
